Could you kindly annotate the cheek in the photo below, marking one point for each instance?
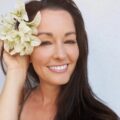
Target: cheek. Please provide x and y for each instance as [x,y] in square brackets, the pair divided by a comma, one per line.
[74,53]
[36,59]
[41,56]
[40,59]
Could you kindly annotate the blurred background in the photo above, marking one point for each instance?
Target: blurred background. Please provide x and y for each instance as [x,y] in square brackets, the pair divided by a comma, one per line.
[102,22]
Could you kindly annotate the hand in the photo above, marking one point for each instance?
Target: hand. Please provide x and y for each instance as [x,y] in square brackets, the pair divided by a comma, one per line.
[0,46]
[16,69]
[16,62]
[12,91]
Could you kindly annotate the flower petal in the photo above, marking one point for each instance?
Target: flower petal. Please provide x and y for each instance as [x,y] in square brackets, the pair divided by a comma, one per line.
[19,34]
[20,12]
[35,41]
[36,20]
[23,27]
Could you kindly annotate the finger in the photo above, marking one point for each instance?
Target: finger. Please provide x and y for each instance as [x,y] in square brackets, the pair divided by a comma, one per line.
[1,46]
[5,55]
[1,42]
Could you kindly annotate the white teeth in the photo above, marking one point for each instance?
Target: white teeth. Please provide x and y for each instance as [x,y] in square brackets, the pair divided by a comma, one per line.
[63,67]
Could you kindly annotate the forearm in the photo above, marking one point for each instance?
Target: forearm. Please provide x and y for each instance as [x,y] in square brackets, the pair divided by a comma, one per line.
[10,97]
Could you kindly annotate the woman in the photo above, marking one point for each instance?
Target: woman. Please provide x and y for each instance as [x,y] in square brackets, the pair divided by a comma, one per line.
[57,85]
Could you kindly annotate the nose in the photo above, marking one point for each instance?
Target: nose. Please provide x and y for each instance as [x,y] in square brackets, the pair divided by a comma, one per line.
[60,52]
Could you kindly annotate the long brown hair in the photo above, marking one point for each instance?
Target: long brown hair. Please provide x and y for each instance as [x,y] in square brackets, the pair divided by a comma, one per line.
[76,100]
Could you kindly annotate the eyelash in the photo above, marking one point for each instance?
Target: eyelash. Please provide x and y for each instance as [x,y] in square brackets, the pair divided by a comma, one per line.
[70,41]
[49,43]
[45,43]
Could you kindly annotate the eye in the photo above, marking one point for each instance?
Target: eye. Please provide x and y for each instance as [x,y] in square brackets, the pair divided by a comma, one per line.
[45,43]
[70,42]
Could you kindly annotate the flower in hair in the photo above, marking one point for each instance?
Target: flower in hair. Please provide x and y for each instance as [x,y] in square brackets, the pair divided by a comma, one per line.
[19,35]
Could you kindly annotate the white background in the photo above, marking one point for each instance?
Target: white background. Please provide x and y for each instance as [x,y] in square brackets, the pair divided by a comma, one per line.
[102,21]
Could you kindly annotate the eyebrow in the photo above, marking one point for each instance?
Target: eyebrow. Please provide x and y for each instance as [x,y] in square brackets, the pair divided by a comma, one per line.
[51,35]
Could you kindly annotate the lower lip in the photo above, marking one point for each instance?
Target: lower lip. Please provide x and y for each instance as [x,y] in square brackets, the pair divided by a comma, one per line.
[58,71]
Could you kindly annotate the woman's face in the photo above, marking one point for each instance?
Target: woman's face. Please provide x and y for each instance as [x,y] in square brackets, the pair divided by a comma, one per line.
[55,59]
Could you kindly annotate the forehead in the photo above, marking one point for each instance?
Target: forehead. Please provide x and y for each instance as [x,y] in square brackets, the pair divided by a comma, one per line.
[56,20]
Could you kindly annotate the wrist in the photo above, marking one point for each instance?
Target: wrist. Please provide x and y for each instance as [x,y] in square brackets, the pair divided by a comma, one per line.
[21,73]
[16,78]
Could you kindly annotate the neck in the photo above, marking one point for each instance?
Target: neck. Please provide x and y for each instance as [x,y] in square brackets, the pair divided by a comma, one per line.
[48,93]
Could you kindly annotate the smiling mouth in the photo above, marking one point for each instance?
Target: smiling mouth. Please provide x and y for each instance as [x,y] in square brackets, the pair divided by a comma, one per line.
[58,68]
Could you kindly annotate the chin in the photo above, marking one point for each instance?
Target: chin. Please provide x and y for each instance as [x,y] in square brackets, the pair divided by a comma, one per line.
[60,81]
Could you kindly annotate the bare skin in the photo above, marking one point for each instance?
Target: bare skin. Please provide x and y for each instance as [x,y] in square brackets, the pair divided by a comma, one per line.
[44,109]
[0,46]
[61,50]
[58,51]
[12,89]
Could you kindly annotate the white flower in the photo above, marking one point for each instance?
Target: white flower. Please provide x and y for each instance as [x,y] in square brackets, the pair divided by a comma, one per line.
[20,13]
[18,34]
